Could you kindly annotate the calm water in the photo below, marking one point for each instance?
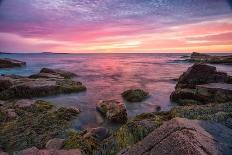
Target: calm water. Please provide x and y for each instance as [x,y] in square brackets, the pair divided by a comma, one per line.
[107,76]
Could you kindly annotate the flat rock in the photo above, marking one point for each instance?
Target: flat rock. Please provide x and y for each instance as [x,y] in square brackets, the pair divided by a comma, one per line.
[24,87]
[55,143]
[113,110]
[58,72]
[35,151]
[11,114]
[181,136]
[10,63]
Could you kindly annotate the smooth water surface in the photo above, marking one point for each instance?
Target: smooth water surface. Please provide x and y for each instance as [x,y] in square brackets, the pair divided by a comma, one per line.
[107,76]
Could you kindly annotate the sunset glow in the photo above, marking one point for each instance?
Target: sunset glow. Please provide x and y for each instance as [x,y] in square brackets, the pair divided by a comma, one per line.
[115,26]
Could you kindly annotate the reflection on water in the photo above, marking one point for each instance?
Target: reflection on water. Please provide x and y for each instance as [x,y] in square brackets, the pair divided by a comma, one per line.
[107,76]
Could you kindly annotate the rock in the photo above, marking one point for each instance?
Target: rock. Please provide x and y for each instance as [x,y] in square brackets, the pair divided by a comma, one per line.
[100,133]
[55,143]
[182,136]
[10,63]
[23,87]
[58,72]
[113,110]
[11,114]
[135,95]
[35,151]
[76,140]
[35,125]
[215,92]
[199,57]
[25,103]
[46,75]
[3,153]
[199,74]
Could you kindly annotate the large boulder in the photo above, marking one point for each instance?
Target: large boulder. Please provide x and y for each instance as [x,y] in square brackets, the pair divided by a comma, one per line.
[187,89]
[10,63]
[200,73]
[181,136]
[58,72]
[199,57]
[23,87]
[135,95]
[113,110]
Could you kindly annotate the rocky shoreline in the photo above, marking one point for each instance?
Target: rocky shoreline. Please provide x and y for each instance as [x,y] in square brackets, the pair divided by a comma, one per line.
[201,123]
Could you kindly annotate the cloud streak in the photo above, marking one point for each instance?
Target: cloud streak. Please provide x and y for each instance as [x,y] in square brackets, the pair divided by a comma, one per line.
[113,25]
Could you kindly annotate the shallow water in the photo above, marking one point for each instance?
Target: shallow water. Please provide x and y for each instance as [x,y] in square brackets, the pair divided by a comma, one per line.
[107,76]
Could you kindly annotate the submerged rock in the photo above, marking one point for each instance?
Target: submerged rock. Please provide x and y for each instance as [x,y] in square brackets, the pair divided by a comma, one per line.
[23,87]
[135,95]
[187,89]
[182,136]
[113,110]
[199,57]
[58,72]
[10,63]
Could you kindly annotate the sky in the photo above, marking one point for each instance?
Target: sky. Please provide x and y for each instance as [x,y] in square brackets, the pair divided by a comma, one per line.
[116,26]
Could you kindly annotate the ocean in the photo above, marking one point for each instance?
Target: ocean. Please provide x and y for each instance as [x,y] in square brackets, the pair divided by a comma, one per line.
[106,76]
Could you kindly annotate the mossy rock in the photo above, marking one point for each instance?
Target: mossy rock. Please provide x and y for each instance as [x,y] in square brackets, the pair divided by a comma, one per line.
[136,129]
[76,140]
[35,126]
[135,95]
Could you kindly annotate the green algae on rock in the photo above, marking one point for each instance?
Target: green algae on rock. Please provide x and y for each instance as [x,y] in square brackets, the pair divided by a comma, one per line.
[135,95]
[113,110]
[76,140]
[138,128]
[35,125]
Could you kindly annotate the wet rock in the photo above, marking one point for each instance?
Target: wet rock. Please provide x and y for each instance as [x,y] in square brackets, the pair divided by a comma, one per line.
[199,57]
[113,110]
[139,127]
[35,151]
[24,87]
[215,92]
[76,140]
[58,72]
[100,133]
[135,95]
[10,63]
[188,91]
[55,143]
[200,74]
[35,125]
[182,136]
